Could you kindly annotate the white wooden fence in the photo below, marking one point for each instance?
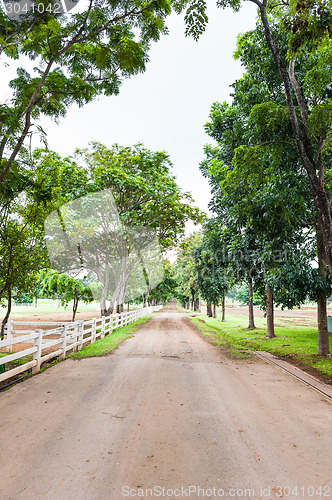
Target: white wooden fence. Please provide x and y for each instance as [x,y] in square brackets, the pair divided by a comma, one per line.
[70,336]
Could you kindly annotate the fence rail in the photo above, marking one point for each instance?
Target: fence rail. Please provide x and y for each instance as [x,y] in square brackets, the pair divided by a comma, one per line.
[67,336]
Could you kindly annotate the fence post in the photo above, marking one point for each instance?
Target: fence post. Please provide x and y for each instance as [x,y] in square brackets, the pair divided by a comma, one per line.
[94,330]
[77,332]
[80,334]
[64,343]
[9,334]
[102,335]
[37,354]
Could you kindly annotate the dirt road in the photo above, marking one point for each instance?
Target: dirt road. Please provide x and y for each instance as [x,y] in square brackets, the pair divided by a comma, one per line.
[165,410]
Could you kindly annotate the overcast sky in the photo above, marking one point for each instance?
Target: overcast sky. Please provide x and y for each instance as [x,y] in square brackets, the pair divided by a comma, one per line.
[167,106]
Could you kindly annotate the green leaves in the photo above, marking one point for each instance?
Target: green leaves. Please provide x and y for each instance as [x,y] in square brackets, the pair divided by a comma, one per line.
[63,286]
[271,120]
[196,18]
[78,57]
[143,186]
[320,120]
[309,22]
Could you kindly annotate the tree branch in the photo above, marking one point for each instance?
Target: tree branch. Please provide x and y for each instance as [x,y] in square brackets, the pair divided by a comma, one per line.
[3,47]
[299,96]
[27,121]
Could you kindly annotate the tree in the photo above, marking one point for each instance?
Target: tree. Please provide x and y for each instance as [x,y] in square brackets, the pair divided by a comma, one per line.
[262,201]
[186,272]
[76,58]
[212,278]
[21,247]
[147,200]
[307,100]
[262,188]
[143,186]
[65,287]
[166,290]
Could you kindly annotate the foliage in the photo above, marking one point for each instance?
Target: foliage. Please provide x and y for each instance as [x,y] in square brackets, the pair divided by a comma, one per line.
[165,291]
[185,269]
[67,288]
[292,39]
[21,248]
[242,296]
[260,192]
[211,264]
[76,58]
[145,190]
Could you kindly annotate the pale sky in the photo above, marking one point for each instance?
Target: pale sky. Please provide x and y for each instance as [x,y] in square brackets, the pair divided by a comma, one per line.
[167,106]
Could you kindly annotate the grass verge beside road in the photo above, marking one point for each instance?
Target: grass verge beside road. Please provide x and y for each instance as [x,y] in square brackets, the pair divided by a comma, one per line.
[106,345]
[293,343]
[101,347]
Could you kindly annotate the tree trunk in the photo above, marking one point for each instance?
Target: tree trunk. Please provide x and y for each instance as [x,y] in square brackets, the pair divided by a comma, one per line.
[251,307]
[323,334]
[269,313]
[75,305]
[108,311]
[209,309]
[103,306]
[223,309]
[144,299]
[5,319]
[214,310]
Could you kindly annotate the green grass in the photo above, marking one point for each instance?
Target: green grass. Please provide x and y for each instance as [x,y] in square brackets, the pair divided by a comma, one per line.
[48,306]
[293,341]
[110,342]
[16,362]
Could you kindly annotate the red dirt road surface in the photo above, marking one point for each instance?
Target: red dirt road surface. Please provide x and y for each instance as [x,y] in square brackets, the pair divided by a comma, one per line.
[167,415]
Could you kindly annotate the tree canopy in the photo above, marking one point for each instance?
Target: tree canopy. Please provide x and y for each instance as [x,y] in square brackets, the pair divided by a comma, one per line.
[65,59]
[305,109]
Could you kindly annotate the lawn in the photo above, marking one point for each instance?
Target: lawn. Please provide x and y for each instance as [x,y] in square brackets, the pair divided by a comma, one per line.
[48,306]
[295,341]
